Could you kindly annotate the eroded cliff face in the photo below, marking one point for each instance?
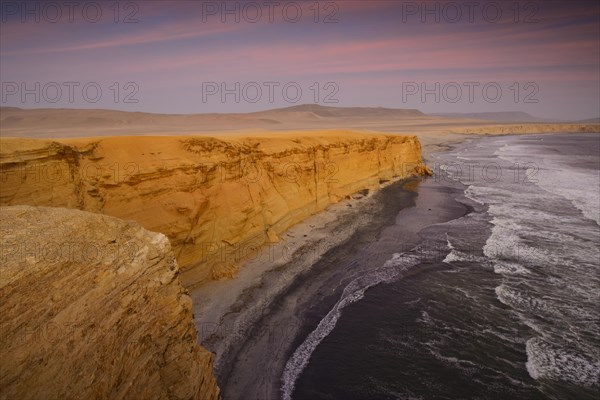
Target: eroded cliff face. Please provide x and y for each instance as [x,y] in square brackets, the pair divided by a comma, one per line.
[218,199]
[92,308]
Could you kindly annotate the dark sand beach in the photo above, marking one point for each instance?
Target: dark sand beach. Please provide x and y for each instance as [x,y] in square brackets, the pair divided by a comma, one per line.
[365,236]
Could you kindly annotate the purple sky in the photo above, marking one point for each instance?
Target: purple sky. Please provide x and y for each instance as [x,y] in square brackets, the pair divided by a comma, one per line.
[180,55]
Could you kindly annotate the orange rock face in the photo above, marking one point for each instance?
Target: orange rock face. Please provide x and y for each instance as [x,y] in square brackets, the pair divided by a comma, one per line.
[215,198]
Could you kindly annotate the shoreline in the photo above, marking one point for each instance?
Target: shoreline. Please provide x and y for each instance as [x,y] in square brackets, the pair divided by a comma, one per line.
[300,247]
[255,322]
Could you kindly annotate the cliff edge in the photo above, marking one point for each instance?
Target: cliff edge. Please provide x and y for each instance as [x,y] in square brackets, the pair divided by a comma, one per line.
[218,199]
[92,308]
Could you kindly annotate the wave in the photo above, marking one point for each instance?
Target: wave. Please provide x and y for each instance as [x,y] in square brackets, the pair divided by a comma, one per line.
[456,255]
[510,268]
[548,361]
[522,301]
[354,291]
[553,174]
[453,255]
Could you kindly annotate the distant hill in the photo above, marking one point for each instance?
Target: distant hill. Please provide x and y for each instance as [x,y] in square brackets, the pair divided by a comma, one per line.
[328,111]
[590,121]
[502,116]
[63,122]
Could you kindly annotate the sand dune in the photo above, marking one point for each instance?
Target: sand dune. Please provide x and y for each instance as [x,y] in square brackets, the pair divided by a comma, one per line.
[434,132]
[431,130]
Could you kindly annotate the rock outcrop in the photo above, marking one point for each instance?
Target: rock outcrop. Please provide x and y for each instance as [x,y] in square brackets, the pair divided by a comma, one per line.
[218,199]
[92,308]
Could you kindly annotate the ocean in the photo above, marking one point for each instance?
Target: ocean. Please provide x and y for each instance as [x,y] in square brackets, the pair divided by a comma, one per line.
[500,303]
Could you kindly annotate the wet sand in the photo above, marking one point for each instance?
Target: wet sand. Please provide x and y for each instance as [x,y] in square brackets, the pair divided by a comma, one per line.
[255,322]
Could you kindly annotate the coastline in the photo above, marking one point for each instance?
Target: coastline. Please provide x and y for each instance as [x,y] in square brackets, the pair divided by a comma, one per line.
[255,322]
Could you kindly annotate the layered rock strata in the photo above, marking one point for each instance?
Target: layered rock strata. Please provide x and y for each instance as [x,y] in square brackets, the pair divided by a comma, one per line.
[219,200]
[92,308]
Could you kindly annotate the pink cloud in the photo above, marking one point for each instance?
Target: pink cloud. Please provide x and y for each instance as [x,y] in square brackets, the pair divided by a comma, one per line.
[173,31]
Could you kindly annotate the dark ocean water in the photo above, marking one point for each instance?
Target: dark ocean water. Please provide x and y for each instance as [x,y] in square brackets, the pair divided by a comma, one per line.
[501,303]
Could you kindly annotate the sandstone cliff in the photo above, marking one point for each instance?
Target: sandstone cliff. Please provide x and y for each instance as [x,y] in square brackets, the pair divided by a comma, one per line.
[218,199]
[92,308]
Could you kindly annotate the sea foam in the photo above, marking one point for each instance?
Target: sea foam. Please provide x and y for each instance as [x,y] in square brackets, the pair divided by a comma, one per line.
[354,291]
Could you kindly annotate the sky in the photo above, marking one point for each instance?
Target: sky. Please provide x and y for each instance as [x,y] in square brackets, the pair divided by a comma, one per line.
[541,57]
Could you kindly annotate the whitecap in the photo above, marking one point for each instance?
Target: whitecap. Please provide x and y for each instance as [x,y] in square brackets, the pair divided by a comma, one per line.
[547,361]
